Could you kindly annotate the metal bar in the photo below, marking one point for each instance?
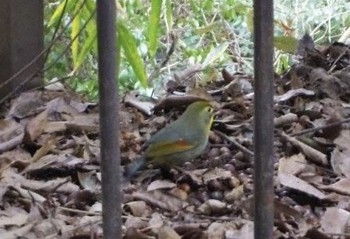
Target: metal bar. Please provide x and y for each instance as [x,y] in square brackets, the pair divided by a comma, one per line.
[109,120]
[264,114]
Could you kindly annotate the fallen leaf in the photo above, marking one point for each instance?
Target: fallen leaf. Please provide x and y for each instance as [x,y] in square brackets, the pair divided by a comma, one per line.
[300,185]
[35,127]
[160,184]
[342,186]
[335,221]
[167,232]
[293,165]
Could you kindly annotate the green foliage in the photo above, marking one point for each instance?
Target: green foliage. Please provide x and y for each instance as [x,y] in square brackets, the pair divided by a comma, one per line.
[153,27]
[213,33]
[286,44]
[128,43]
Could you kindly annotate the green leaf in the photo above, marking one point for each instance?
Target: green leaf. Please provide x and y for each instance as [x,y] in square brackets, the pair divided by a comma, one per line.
[287,44]
[208,5]
[208,28]
[91,5]
[153,27]
[89,43]
[59,10]
[128,43]
[250,20]
[168,15]
[215,54]
[74,32]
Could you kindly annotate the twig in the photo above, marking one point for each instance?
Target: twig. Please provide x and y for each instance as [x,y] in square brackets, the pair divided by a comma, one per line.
[79,211]
[306,131]
[235,143]
[54,235]
[338,59]
[171,50]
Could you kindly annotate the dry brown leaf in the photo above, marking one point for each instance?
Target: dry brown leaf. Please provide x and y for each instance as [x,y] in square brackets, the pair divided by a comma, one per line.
[17,219]
[61,105]
[133,233]
[341,161]
[341,154]
[311,153]
[48,145]
[285,120]
[87,123]
[293,93]
[28,103]
[15,233]
[212,207]
[343,139]
[167,232]
[284,211]
[63,163]
[11,134]
[27,194]
[88,180]
[156,222]
[137,208]
[216,230]
[160,199]
[55,127]
[216,173]
[235,194]
[144,107]
[245,232]
[160,184]
[342,186]
[300,185]
[135,222]
[335,221]
[35,127]
[179,193]
[292,165]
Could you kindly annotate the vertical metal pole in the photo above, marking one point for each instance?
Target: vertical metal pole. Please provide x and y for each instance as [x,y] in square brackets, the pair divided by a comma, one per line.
[109,120]
[264,114]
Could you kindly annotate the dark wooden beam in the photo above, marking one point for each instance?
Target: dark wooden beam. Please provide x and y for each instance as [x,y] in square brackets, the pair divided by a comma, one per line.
[21,39]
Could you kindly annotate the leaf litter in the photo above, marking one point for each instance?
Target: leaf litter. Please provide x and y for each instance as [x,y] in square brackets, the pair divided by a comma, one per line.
[50,183]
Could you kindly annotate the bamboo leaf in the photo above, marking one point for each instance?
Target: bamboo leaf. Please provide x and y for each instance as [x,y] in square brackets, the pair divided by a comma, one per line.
[59,10]
[154,26]
[168,15]
[89,44]
[128,43]
[208,28]
[74,32]
[215,54]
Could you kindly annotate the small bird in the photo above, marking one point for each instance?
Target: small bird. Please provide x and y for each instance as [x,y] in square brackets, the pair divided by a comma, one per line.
[179,142]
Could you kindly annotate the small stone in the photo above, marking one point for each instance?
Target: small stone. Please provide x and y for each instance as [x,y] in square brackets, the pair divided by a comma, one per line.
[213,153]
[235,194]
[215,185]
[218,195]
[230,167]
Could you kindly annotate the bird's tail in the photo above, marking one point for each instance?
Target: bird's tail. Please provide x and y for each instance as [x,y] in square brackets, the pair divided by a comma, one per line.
[134,166]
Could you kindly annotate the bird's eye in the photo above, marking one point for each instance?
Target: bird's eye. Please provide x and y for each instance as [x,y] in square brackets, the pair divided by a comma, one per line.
[210,109]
